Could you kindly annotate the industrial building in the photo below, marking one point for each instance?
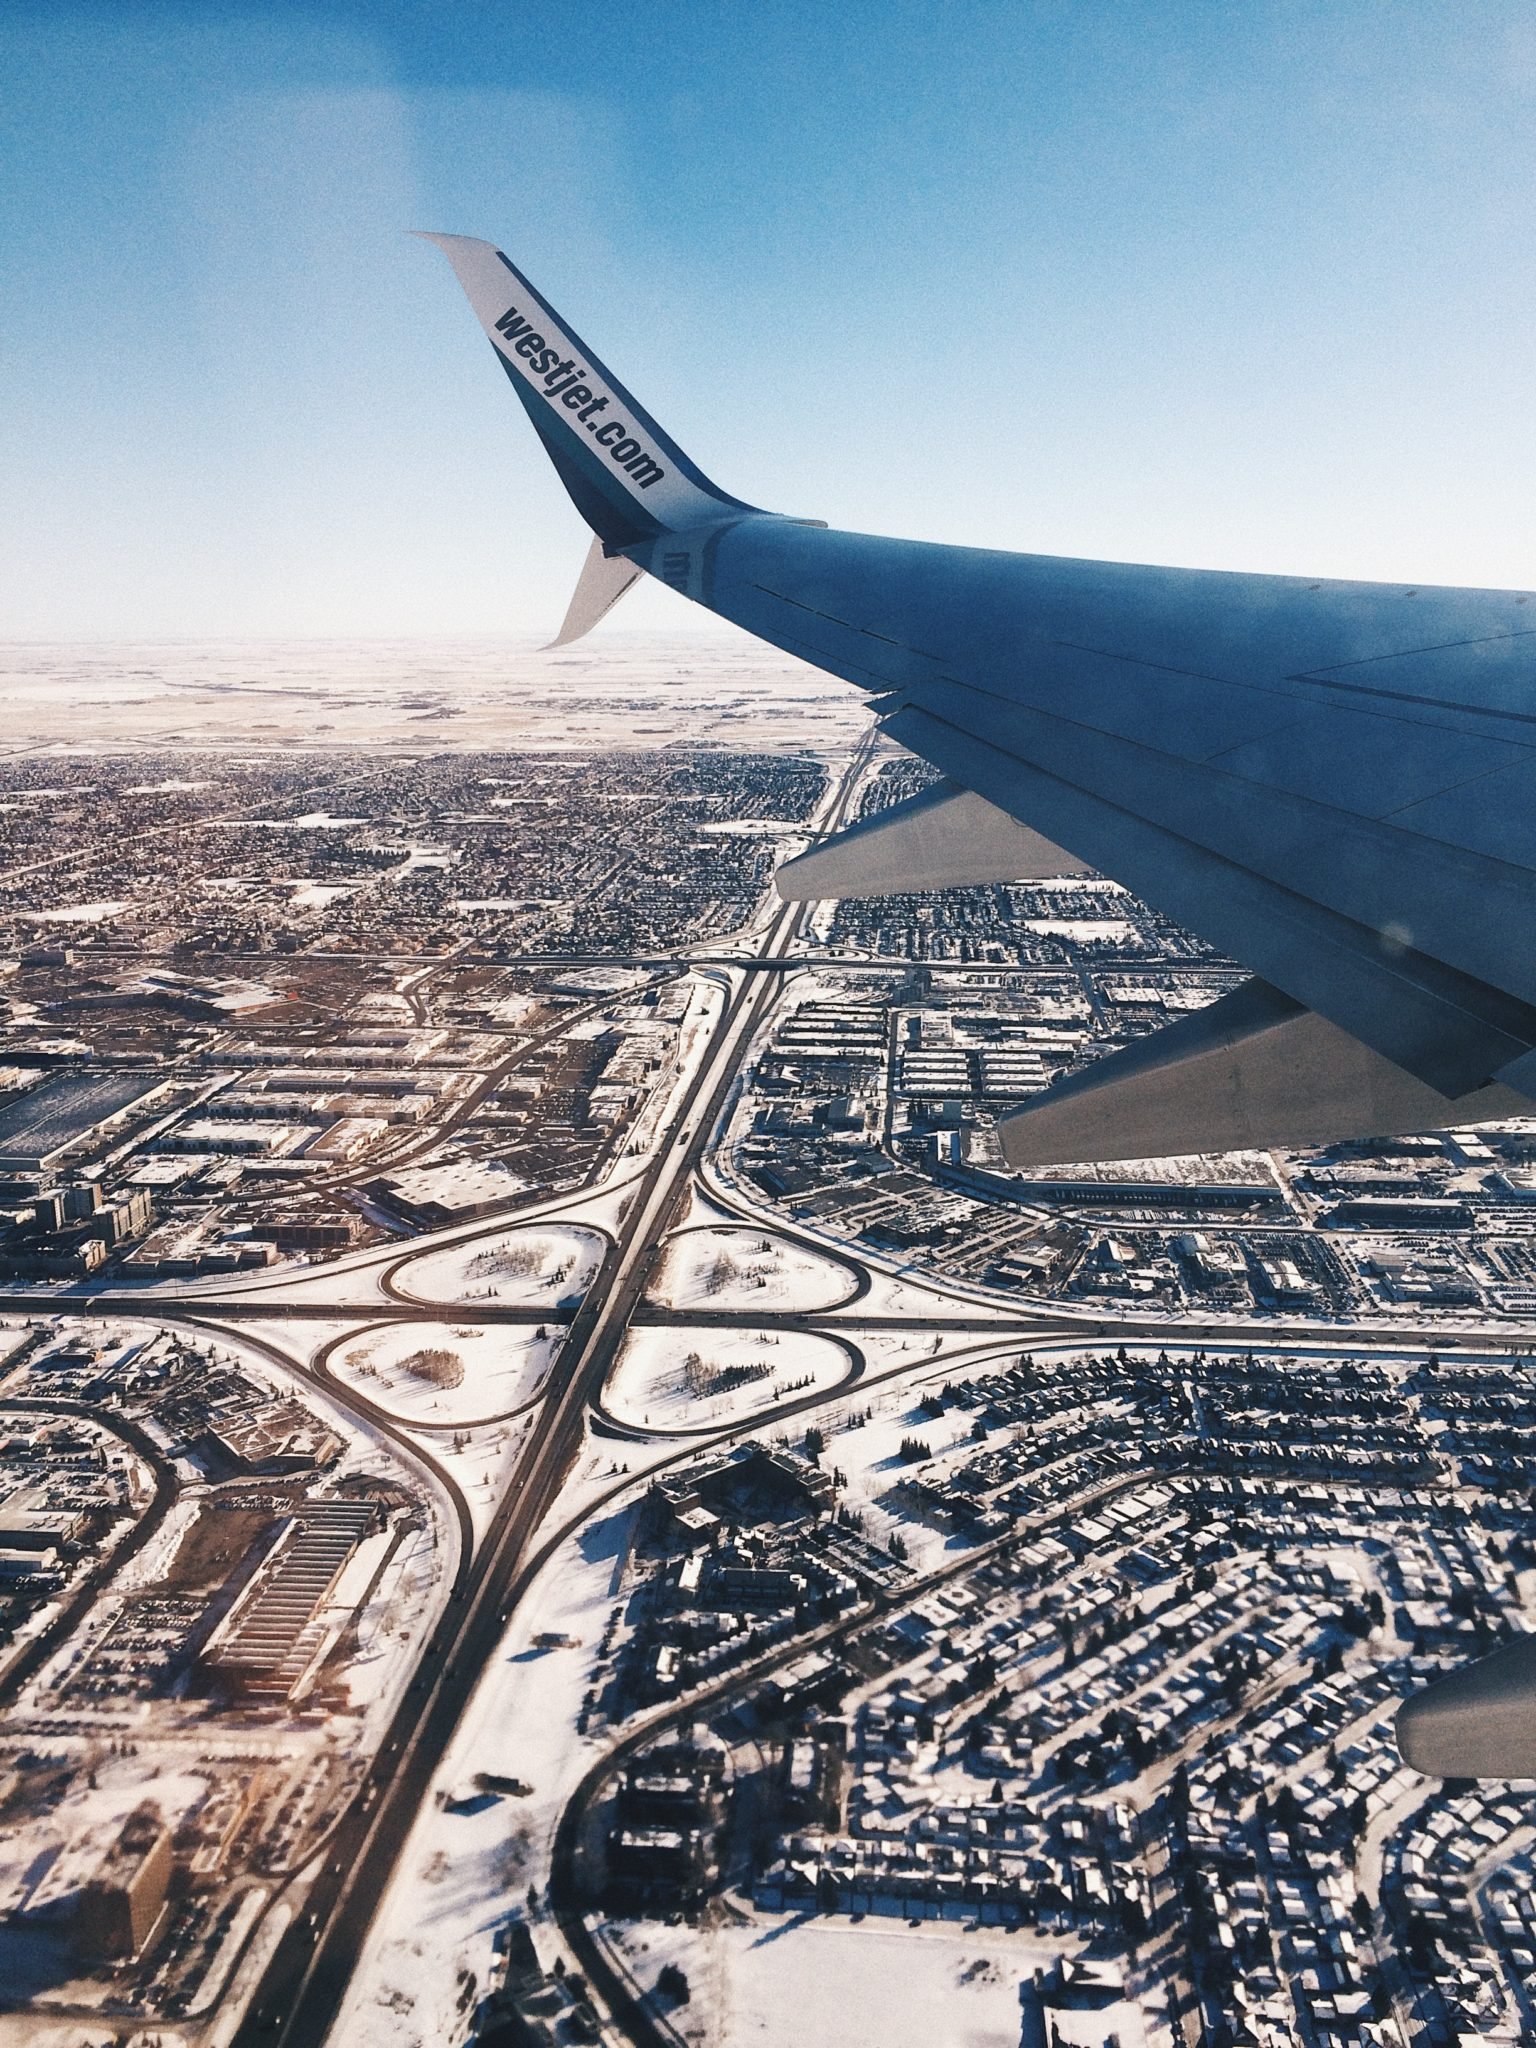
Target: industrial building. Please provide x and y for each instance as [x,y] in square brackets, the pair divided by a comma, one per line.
[265,1646]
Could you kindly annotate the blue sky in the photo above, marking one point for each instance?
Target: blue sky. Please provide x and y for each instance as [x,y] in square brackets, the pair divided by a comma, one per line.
[1247,285]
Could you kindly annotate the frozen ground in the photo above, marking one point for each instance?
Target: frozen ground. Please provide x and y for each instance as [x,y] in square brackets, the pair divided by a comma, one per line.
[706,1379]
[352,1279]
[1115,931]
[544,1266]
[501,1368]
[471,1855]
[12,1336]
[731,1268]
[786,1981]
[616,690]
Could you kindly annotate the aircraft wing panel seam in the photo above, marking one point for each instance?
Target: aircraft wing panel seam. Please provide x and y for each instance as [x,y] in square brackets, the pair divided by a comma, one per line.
[1292,713]
[1431,796]
[1444,704]
[1416,882]
[1313,952]
[848,625]
[1169,668]
[1319,671]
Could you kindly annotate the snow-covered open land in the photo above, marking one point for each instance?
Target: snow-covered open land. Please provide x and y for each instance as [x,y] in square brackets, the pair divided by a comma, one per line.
[697,1379]
[378,693]
[441,1374]
[730,1268]
[546,1267]
[791,1981]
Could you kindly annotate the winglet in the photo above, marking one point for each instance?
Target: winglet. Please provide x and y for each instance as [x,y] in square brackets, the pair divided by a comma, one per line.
[603,581]
[628,478]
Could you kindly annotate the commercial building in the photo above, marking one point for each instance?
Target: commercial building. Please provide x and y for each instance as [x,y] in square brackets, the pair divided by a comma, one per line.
[264,1647]
[120,1908]
[39,1128]
[28,1522]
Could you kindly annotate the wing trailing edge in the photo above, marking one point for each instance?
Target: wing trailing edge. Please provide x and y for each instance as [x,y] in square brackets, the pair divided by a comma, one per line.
[1477,1723]
[1252,1071]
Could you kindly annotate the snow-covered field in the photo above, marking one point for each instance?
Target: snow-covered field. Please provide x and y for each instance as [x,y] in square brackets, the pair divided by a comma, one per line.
[786,1981]
[705,1379]
[470,1856]
[501,1369]
[543,1266]
[708,687]
[1117,931]
[731,1268]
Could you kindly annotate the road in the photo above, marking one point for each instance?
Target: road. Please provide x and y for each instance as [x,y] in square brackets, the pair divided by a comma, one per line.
[307,1977]
[35,1654]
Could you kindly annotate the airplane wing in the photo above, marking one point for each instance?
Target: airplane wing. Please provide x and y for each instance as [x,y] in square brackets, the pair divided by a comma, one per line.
[1331,782]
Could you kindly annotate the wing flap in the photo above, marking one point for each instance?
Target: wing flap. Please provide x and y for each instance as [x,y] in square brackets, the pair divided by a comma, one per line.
[1412,1011]
[943,838]
[1368,872]
[1253,1070]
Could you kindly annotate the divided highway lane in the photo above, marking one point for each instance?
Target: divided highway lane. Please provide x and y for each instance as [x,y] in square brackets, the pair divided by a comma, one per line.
[307,1978]
[1047,1323]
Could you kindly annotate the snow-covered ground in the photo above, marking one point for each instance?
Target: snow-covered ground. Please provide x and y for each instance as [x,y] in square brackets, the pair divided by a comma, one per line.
[544,1266]
[12,1336]
[501,1367]
[734,1268]
[791,1981]
[706,1379]
[471,1854]
[1117,931]
[481,1463]
[354,1280]
[45,1861]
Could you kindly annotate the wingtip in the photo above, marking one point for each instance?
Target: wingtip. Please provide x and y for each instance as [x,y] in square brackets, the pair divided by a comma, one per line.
[446,242]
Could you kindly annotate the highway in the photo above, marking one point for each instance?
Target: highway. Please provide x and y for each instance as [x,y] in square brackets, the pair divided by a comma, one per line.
[307,1977]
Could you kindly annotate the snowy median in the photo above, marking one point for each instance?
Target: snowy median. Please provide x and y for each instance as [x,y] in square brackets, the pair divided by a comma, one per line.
[437,1374]
[694,1379]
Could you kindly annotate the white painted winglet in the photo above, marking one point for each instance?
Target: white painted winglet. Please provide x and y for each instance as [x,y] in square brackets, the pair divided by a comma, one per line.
[628,478]
[603,581]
